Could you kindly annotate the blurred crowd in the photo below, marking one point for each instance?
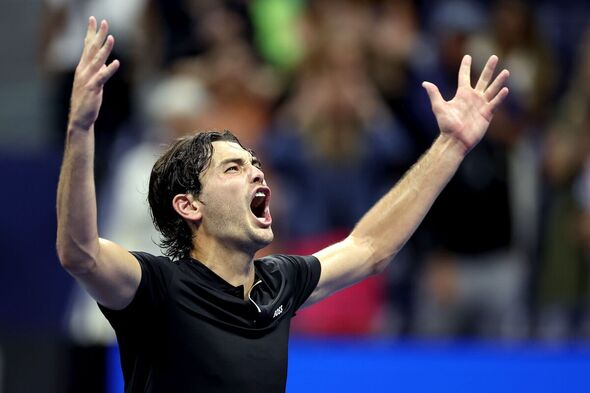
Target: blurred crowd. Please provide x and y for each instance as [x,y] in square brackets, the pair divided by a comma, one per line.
[328,93]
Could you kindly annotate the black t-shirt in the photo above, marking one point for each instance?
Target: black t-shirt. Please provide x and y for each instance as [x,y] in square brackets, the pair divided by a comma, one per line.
[188,330]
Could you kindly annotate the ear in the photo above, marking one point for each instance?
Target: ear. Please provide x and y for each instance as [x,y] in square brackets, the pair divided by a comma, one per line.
[187,207]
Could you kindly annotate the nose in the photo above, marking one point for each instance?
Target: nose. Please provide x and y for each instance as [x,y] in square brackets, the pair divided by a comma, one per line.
[257,175]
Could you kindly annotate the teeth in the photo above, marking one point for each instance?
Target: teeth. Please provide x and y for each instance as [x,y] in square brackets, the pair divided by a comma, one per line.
[258,202]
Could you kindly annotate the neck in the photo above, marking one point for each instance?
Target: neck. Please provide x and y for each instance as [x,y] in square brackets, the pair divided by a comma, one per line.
[234,266]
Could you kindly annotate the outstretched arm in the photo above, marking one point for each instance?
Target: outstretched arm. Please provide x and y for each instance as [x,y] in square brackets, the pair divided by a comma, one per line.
[107,271]
[386,227]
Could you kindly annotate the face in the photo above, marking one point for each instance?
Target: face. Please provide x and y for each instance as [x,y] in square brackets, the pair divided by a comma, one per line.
[235,199]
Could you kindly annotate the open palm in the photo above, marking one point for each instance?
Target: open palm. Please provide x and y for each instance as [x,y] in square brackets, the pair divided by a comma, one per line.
[91,74]
[467,115]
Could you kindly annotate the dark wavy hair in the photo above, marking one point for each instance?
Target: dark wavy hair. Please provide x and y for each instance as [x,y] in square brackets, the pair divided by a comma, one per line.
[177,171]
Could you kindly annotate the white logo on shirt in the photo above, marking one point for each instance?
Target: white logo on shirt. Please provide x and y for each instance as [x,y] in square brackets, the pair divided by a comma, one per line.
[278,311]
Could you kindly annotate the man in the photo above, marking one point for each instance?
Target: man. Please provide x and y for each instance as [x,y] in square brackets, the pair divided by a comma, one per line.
[212,319]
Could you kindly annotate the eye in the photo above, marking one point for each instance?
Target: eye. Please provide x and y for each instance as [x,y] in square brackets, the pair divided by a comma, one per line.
[233,168]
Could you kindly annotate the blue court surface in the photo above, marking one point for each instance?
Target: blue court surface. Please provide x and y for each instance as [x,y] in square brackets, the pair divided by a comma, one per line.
[384,365]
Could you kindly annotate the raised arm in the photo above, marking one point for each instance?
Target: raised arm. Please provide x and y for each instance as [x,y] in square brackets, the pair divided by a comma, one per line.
[108,272]
[386,227]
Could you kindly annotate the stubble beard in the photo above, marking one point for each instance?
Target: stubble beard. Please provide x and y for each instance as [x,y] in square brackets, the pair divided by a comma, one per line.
[245,236]
[255,239]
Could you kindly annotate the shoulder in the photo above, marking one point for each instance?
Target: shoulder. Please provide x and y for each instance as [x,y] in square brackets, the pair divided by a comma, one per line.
[149,261]
[286,262]
[157,272]
[296,275]
[299,269]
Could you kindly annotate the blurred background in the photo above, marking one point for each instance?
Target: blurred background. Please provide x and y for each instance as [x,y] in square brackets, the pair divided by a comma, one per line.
[491,293]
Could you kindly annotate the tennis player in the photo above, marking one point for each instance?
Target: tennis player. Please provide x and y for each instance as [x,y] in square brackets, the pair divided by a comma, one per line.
[207,317]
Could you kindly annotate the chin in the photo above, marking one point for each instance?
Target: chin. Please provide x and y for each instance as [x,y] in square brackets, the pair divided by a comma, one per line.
[268,238]
[263,239]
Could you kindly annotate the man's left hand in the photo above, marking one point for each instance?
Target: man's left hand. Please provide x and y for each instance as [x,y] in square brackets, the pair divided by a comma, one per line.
[467,115]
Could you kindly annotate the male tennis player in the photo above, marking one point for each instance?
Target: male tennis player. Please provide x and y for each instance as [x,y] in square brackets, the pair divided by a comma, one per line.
[208,317]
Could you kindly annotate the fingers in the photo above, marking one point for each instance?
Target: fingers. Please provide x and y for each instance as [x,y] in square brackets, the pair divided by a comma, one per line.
[106,72]
[97,48]
[465,72]
[486,74]
[102,55]
[91,30]
[90,33]
[496,85]
[99,38]
[497,100]
[94,40]
[436,99]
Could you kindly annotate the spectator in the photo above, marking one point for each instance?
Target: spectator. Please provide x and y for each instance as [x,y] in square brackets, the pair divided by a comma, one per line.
[334,142]
[63,24]
[562,288]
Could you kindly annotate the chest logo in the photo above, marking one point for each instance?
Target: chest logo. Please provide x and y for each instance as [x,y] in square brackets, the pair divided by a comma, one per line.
[278,311]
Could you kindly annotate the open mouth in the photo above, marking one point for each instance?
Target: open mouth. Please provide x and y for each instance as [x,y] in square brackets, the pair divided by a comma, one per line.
[260,203]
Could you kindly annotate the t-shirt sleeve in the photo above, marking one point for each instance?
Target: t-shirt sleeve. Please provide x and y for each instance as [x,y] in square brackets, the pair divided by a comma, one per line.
[304,272]
[156,274]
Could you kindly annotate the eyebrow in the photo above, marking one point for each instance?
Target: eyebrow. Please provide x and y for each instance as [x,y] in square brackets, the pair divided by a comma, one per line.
[240,161]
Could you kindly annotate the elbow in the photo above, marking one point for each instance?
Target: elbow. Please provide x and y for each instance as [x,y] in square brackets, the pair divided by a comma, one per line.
[75,260]
[66,259]
[380,265]
[380,258]
[376,256]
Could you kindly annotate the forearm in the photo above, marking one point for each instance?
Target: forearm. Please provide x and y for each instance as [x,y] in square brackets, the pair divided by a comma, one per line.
[382,232]
[386,227]
[77,233]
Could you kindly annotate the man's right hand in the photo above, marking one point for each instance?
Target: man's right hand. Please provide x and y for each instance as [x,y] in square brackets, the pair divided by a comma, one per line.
[109,273]
[91,74]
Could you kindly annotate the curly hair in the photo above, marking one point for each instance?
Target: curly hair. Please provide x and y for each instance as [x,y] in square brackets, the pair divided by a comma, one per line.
[178,171]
